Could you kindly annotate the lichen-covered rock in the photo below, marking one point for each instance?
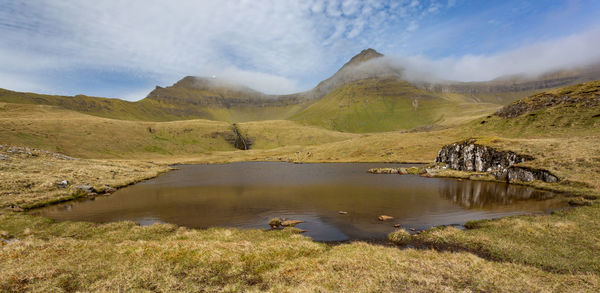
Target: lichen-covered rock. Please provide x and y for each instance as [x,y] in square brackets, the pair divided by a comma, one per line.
[470,156]
[524,174]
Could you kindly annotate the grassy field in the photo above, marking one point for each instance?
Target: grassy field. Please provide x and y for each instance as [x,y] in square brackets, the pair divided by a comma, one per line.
[76,134]
[124,256]
[542,253]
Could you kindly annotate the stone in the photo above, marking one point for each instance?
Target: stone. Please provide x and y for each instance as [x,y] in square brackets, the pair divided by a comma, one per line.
[342,213]
[397,225]
[291,223]
[385,218]
[62,184]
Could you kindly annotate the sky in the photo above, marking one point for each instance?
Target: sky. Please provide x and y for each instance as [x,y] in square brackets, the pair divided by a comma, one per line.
[123,49]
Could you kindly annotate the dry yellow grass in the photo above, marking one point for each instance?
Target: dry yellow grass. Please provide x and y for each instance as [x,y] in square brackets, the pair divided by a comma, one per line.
[46,257]
[30,176]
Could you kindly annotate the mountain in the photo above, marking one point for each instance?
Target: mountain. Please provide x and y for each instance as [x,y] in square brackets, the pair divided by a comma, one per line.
[367,94]
[215,99]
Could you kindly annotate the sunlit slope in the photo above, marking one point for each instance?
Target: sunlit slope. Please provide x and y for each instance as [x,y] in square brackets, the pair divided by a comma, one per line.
[387,104]
[202,107]
[565,111]
[103,107]
[76,134]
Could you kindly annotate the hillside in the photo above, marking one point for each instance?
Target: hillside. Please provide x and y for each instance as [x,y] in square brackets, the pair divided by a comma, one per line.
[145,110]
[214,99]
[367,94]
[386,104]
[56,129]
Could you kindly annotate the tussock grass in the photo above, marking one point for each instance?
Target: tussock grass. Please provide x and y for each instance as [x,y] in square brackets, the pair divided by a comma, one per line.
[566,241]
[123,256]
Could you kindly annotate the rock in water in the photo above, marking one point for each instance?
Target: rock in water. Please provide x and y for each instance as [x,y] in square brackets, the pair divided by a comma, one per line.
[385,218]
[291,223]
[342,213]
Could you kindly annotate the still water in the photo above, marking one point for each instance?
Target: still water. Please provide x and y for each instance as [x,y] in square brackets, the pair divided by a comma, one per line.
[248,194]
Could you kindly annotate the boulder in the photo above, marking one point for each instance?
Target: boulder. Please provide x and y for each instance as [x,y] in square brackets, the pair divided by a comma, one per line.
[473,157]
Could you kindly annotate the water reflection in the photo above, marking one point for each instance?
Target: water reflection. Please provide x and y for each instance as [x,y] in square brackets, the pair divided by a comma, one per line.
[479,194]
[247,195]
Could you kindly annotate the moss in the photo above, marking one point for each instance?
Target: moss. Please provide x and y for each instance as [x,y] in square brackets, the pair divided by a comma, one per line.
[400,237]
[275,222]
[414,170]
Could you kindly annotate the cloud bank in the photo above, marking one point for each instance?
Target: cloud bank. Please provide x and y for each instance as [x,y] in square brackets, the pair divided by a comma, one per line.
[570,52]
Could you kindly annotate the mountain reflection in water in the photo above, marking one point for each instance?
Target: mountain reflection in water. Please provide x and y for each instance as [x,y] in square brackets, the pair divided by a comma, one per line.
[479,194]
[247,195]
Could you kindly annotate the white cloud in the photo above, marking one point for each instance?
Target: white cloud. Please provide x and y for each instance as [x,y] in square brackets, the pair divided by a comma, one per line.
[412,26]
[563,53]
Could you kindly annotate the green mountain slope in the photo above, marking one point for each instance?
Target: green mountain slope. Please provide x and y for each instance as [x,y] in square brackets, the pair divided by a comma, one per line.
[146,110]
[385,104]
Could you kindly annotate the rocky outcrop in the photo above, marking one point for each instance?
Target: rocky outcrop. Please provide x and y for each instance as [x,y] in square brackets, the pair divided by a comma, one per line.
[470,156]
[526,174]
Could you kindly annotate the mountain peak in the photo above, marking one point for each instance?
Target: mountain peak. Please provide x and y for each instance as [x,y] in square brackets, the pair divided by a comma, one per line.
[363,56]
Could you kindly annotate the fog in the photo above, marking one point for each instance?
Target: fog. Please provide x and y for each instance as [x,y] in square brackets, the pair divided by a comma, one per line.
[528,61]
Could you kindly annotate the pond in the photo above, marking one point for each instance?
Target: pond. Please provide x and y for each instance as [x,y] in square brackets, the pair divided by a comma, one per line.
[248,194]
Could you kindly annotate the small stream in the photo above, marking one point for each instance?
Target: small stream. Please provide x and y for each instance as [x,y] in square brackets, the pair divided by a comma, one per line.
[248,194]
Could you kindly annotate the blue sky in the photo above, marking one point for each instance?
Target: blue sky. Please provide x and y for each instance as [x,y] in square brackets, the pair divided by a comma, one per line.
[124,48]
